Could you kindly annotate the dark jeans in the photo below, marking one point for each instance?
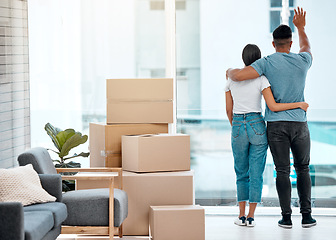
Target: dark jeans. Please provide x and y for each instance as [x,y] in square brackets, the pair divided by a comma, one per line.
[282,137]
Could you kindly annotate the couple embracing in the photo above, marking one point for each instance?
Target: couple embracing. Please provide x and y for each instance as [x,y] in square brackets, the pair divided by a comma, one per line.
[280,78]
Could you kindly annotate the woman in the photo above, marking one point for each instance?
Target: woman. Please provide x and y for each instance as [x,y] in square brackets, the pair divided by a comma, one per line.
[248,137]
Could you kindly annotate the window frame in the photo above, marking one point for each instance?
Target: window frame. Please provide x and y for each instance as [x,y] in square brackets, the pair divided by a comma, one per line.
[279,9]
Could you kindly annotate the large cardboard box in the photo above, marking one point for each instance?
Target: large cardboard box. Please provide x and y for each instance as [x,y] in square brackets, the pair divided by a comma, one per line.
[105,141]
[177,222]
[139,112]
[139,100]
[156,152]
[149,189]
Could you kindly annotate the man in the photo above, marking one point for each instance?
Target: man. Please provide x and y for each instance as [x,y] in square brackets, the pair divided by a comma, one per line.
[287,130]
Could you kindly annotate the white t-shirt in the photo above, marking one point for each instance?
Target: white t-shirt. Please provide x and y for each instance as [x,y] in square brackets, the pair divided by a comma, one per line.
[247,94]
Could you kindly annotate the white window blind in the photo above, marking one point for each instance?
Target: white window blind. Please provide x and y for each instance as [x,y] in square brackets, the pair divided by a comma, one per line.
[14,82]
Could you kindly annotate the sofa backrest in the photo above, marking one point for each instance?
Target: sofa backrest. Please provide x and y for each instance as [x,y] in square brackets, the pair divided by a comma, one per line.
[39,158]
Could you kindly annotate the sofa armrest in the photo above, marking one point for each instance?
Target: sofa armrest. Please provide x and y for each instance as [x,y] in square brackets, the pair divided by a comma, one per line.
[52,183]
[11,221]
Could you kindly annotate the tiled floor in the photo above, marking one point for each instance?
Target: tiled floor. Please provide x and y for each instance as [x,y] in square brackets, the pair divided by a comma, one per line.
[219,226]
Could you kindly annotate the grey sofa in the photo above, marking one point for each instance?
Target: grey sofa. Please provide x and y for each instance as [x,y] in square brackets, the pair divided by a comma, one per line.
[38,221]
[85,207]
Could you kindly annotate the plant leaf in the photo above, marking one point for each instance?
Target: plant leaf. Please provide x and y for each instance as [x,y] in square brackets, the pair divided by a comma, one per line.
[52,132]
[63,136]
[72,142]
[82,154]
[70,164]
[65,187]
[53,151]
[68,185]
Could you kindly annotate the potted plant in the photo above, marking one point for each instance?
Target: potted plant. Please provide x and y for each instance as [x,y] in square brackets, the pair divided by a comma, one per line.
[64,141]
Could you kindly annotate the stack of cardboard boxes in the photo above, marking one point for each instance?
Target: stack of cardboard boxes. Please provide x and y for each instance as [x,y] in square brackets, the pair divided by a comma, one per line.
[156,165]
[134,106]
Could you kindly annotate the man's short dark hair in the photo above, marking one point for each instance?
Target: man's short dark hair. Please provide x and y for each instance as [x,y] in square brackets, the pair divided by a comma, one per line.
[250,54]
[282,35]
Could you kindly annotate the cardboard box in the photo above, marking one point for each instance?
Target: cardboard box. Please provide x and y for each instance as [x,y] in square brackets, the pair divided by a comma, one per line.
[139,112]
[139,100]
[105,141]
[156,152]
[177,222]
[139,89]
[149,189]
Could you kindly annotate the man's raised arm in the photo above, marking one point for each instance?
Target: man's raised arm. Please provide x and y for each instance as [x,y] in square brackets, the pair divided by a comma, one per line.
[299,20]
[241,74]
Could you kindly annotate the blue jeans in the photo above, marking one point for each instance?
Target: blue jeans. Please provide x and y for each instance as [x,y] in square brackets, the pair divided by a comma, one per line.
[249,147]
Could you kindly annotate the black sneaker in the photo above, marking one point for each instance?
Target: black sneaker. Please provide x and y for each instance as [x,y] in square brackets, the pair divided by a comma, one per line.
[308,221]
[285,223]
[250,222]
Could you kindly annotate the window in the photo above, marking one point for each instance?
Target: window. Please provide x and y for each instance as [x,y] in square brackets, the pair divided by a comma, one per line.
[157,73]
[160,4]
[205,51]
[275,14]
[157,5]
[76,45]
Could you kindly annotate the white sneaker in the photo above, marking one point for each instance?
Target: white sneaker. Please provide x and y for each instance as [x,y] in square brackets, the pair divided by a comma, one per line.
[240,221]
[250,222]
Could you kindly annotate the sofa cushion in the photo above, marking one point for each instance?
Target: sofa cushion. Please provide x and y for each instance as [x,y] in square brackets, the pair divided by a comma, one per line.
[22,184]
[90,207]
[37,224]
[58,210]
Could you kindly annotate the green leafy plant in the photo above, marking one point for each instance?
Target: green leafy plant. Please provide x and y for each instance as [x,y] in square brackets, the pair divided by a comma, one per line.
[64,141]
